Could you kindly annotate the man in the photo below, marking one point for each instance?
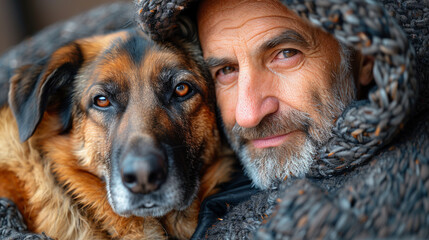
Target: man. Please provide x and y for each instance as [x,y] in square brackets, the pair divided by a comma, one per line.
[292,81]
[280,83]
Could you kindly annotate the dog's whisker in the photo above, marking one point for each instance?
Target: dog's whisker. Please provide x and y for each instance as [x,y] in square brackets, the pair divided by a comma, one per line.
[178,147]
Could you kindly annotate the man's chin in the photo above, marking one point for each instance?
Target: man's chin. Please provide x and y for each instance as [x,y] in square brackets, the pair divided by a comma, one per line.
[266,167]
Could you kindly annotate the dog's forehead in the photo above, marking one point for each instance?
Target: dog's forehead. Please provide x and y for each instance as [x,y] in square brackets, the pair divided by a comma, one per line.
[131,45]
[133,57]
[140,51]
[130,66]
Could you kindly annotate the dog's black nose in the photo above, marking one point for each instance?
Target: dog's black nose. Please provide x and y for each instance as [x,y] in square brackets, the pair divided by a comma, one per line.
[144,174]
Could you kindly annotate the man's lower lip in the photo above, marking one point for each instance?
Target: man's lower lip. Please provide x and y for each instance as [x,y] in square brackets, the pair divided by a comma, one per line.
[273,141]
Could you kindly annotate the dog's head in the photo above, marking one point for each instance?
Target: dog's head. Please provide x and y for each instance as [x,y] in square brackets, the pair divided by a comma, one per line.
[143,114]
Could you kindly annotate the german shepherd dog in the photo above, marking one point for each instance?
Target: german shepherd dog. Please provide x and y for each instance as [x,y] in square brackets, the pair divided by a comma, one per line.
[112,137]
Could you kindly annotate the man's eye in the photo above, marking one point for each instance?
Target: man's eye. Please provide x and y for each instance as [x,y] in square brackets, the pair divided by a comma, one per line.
[287,53]
[226,70]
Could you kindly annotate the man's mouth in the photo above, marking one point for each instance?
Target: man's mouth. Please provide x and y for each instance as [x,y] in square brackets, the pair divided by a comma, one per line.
[271,141]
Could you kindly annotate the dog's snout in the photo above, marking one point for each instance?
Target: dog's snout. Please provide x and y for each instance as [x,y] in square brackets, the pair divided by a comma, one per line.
[144,173]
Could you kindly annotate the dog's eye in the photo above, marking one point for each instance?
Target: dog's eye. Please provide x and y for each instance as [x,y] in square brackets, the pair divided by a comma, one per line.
[101,101]
[182,89]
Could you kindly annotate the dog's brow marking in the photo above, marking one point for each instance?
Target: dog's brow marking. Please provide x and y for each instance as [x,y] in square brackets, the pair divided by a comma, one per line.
[111,51]
[168,74]
[136,47]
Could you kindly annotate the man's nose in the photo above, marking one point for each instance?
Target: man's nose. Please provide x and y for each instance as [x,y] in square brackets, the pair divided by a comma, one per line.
[255,99]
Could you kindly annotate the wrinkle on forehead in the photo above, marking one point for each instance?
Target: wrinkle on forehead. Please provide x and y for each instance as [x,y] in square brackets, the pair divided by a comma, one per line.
[262,18]
[214,9]
[256,18]
[223,6]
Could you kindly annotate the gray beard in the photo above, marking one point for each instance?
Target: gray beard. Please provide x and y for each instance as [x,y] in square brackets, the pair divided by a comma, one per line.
[269,170]
[271,165]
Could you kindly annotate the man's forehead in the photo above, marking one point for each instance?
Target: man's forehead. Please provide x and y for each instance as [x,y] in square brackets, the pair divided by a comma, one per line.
[257,25]
[231,4]
[217,17]
[225,10]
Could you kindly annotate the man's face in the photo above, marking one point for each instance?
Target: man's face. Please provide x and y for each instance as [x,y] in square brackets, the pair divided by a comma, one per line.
[280,83]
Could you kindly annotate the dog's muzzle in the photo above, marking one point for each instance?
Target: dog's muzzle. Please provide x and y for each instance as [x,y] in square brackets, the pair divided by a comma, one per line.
[145,180]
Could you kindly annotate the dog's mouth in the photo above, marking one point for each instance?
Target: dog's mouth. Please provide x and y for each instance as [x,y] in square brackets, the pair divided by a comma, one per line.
[126,204]
[156,204]
[177,192]
[148,205]
[151,181]
[148,208]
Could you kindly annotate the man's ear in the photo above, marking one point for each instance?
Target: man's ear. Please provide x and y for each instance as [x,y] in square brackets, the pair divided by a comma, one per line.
[33,87]
[365,75]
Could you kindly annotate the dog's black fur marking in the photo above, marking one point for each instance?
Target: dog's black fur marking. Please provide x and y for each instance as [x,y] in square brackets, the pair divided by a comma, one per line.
[136,47]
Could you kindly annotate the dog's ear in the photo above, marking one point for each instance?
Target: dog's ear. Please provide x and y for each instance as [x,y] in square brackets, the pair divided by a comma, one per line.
[33,87]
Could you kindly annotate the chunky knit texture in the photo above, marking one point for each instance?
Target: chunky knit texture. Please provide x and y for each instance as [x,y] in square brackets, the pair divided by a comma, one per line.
[12,225]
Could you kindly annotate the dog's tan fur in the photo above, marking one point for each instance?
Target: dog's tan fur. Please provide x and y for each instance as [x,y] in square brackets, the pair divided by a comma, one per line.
[54,177]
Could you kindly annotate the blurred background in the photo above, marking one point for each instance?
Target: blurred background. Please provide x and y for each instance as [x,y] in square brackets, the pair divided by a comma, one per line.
[20,19]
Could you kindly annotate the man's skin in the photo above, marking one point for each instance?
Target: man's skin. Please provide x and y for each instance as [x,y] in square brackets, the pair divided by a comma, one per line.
[280,83]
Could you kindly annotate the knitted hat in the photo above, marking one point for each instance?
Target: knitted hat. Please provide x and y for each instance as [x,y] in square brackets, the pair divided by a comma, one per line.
[364,126]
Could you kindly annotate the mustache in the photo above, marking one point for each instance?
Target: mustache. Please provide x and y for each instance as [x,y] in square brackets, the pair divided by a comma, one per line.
[275,124]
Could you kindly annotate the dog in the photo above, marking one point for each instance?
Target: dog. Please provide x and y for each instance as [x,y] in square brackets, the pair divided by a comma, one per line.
[112,137]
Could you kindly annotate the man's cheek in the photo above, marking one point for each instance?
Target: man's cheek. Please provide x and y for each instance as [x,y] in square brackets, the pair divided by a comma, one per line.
[226,101]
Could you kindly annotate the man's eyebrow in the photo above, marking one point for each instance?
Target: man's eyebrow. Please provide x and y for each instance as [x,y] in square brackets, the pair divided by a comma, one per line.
[288,36]
[213,62]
